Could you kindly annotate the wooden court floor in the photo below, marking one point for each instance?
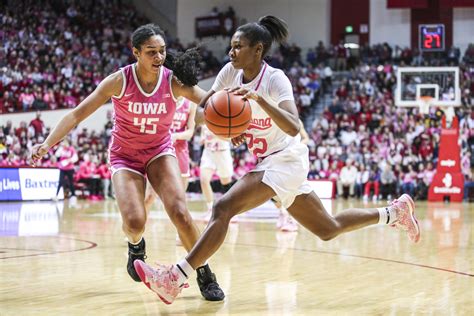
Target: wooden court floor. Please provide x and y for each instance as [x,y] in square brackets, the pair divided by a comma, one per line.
[63,259]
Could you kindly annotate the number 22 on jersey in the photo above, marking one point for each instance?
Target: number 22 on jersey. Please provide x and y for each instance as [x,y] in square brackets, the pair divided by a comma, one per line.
[257,145]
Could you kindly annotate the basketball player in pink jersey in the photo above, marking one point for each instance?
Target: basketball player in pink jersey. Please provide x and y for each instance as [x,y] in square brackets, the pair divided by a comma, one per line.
[144,98]
[182,130]
[283,162]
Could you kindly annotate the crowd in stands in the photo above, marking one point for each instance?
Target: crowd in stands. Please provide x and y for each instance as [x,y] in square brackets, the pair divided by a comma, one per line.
[364,143]
[54,53]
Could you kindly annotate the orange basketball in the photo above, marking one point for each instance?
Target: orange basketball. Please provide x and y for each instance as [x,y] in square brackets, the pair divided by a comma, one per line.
[226,114]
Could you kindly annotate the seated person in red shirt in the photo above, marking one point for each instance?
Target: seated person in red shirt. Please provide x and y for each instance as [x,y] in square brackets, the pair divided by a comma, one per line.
[86,174]
[104,173]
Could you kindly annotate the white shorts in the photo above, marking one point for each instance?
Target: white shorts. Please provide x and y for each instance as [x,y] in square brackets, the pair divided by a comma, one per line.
[220,161]
[286,173]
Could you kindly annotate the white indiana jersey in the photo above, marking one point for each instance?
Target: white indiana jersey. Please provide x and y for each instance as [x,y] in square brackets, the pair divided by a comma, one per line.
[263,136]
[212,142]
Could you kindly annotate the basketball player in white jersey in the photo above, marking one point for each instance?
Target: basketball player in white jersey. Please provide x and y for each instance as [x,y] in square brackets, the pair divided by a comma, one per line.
[216,158]
[285,222]
[283,162]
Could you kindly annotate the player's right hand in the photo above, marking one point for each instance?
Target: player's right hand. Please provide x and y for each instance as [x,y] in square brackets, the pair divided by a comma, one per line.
[37,152]
[239,140]
[199,117]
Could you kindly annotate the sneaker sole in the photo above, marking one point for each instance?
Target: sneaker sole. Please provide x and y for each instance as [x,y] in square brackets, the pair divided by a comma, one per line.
[288,230]
[411,206]
[141,273]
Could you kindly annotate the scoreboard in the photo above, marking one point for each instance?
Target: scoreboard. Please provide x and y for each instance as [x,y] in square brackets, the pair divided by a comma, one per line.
[431,37]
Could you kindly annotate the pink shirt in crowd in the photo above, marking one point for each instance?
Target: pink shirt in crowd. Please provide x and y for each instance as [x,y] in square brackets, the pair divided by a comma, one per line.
[67,156]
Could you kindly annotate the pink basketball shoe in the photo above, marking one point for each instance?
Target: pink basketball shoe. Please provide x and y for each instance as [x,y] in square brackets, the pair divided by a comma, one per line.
[163,280]
[289,225]
[406,220]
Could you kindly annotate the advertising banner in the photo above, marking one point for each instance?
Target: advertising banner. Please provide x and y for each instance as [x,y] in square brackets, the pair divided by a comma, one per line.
[9,185]
[448,181]
[29,184]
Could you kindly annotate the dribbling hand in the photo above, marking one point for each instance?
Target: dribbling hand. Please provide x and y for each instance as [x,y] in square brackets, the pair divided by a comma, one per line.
[239,140]
[37,152]
[247,94]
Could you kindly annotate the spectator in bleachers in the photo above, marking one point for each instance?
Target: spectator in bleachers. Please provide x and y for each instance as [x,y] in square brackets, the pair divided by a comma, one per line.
[373,181]
[388,182]
[38,125]
[361,179]
[105,175]
[67,157]
[347,180]
[88,175]
[409,181]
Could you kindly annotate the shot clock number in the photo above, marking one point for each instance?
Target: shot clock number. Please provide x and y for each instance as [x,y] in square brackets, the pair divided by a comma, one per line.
[431,37]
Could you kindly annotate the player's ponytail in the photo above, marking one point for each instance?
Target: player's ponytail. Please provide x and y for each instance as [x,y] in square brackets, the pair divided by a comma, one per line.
[185,66]
[267,30]
[277,27]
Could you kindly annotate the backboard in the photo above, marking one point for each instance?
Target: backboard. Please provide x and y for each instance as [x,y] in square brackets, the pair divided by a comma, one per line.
[425,87]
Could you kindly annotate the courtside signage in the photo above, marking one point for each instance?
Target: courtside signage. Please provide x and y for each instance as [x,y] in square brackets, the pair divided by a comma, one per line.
[9,185]
[28,184]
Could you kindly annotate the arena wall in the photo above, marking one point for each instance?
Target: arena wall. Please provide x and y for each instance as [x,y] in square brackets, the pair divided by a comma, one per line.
[463,26]
[389,25]
[307,19]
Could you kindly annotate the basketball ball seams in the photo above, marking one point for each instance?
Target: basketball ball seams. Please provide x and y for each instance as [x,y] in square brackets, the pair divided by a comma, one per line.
[225,126]
[243,108]
[246,103]
[227,115]
[215,110]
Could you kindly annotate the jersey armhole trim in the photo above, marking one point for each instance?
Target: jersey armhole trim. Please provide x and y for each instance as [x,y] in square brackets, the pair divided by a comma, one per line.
[124,85]
[171,87]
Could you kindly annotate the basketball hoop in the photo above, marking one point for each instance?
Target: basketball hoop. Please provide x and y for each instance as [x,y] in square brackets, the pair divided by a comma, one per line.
[424,103]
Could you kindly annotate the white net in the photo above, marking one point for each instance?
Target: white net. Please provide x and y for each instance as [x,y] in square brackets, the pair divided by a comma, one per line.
[424,103]
[449,112]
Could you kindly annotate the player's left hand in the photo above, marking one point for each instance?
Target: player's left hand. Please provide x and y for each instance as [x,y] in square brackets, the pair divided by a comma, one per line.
[247,94]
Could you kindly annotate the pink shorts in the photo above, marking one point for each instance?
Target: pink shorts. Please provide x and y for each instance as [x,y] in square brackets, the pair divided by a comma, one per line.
[136,160]
[182,153]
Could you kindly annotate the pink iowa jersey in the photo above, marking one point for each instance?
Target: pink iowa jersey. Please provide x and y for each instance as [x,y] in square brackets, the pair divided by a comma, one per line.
[180,121]
[143,120]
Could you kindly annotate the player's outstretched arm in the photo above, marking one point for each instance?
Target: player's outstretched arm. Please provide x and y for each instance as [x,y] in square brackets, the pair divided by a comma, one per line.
[110,86]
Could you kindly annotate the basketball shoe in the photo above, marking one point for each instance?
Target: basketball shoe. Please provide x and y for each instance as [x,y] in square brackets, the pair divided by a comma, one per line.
[289,225]
[163,280]
[208,285]
[280,221]
[135,252]
[406,220]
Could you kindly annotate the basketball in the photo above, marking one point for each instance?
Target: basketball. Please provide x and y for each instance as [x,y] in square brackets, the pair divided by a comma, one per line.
[226,114]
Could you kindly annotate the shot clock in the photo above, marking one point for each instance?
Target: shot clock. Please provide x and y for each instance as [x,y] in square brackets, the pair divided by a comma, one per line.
[431,37]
